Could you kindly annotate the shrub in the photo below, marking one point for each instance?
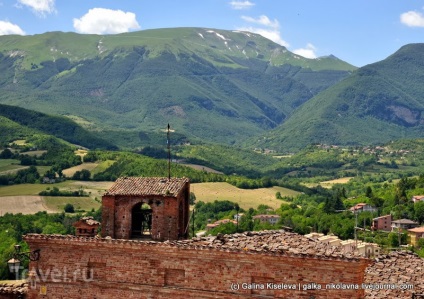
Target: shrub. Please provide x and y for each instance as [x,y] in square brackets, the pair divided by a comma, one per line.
[69,208]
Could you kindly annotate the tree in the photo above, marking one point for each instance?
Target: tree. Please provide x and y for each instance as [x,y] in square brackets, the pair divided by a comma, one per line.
[192,198]
[368,192]
[82,175]
[69,208]
[419,211]
[6,154]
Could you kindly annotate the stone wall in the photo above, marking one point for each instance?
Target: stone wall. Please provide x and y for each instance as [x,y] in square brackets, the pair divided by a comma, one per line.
[74,267]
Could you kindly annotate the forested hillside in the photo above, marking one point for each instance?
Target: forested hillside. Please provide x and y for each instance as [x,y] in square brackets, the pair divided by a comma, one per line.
[378,103]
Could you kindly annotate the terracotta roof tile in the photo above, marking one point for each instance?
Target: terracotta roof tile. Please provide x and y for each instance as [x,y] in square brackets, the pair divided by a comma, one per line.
[417,229]
[13,288]
[401,268]
[277,242]
[147,186]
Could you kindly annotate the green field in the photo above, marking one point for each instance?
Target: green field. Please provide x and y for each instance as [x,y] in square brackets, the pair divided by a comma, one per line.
[102,166]
[246,198]
[34,189]
[71,171]
[22,189]
[42,169]
[10,165]
[80,203]
[24,197]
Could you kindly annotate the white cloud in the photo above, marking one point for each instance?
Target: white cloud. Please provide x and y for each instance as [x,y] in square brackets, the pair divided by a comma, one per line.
[40,7]
[106,21]
[270,34]
[412,19]
[239,5]
[268,28]
[263,20]
[307,52]
[7,28]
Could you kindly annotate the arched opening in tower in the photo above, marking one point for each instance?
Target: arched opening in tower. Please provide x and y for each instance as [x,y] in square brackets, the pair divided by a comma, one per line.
[141,226]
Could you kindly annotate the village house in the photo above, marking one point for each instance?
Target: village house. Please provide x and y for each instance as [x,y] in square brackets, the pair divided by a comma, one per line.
[417,198]
[415,234]
[86,227]
[382,223]
[403,224]
[271,219]
[362,207]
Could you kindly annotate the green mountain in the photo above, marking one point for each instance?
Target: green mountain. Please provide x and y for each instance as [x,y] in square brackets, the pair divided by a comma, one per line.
[19,123]
[378,103]
[214,85]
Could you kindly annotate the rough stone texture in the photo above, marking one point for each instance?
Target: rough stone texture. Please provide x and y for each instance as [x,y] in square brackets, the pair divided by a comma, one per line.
[76,267]
[401,268]
[13,290]
[168,200]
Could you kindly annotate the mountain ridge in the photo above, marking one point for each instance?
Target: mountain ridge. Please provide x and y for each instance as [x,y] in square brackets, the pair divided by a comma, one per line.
[214,85]
[377,103]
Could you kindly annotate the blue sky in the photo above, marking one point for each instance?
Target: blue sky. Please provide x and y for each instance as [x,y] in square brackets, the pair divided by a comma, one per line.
[357,31]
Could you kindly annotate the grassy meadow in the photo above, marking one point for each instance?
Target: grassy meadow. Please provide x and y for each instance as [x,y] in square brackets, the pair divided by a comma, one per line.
[69,172]
[246,198]
[23,198]
[57,203]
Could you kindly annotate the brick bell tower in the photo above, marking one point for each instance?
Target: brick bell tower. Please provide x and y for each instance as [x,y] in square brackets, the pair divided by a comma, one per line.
[146,208]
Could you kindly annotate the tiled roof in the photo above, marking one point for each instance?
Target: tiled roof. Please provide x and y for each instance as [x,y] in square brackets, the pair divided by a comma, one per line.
[399,269]
[263,242]
[404,221]
[87,220]
[17,288]
[381,217]
[417,229]
[147,186]
[265,216]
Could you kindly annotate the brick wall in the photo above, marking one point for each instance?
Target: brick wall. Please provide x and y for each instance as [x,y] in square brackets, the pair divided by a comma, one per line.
[71,267]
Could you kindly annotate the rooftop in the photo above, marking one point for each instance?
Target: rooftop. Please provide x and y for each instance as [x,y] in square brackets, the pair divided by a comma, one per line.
[14,287]
[88,220]
[265,216]
[277,242]
[397,268]
[381,217]
[404,221]
[147,186]
[417,229]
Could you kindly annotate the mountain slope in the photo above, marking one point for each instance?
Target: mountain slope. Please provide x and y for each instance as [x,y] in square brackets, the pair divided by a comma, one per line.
[19,123]
[217,85]
[378,103]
